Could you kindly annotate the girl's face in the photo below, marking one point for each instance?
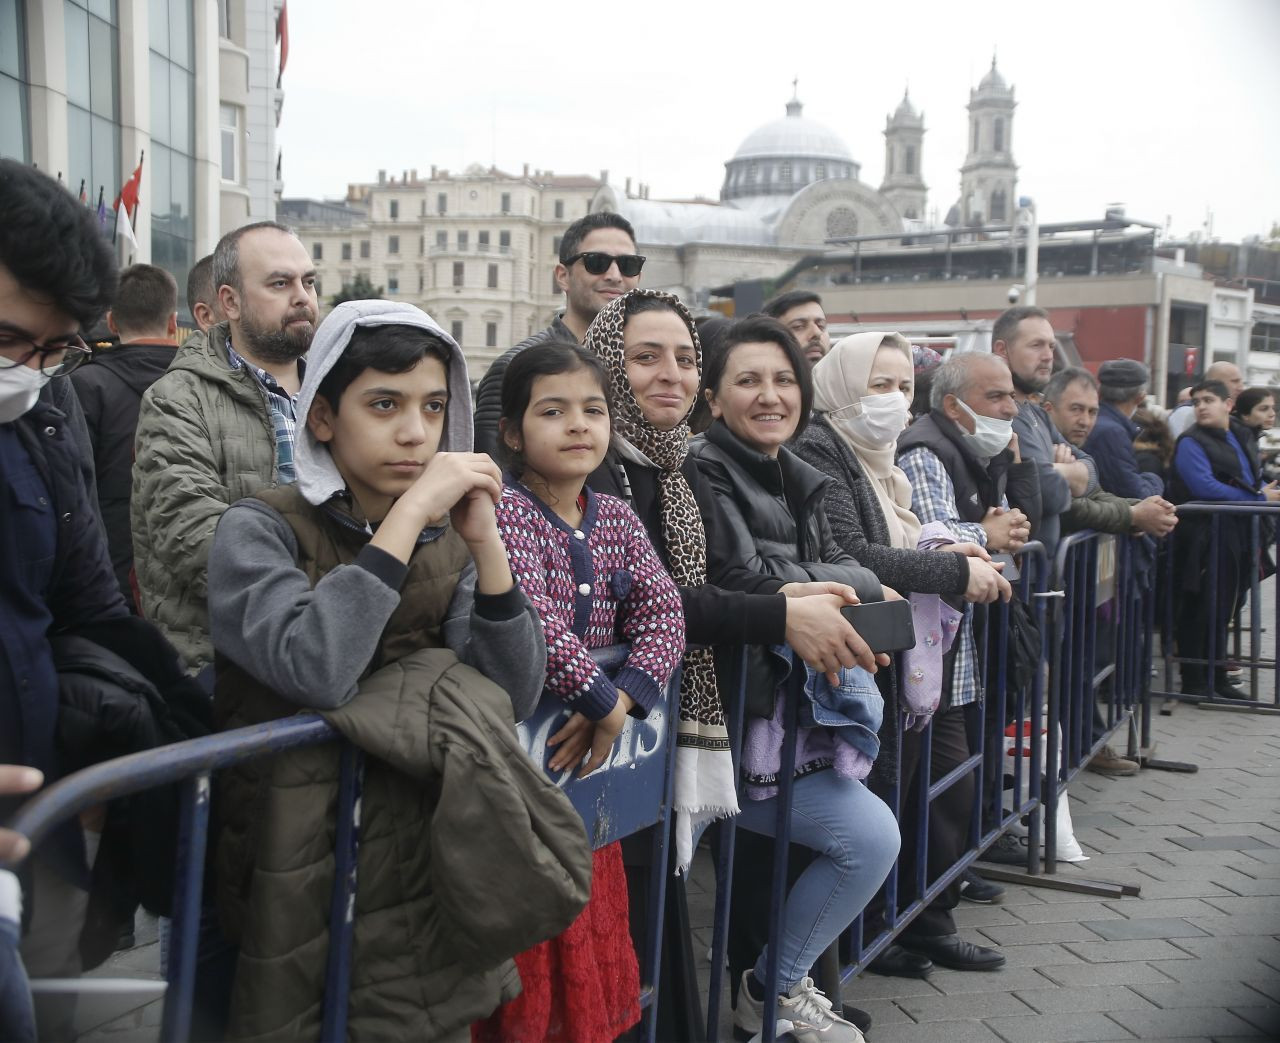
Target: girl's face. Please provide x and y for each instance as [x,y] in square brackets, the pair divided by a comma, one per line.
[1263,415]
[891,371]
[758,396]
[564,433]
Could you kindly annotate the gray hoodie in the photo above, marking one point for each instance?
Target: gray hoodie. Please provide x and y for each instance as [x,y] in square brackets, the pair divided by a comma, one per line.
[312,645]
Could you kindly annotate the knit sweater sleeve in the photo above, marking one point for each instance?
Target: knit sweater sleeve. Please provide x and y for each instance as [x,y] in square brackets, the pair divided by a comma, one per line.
[534,557]
[652,621]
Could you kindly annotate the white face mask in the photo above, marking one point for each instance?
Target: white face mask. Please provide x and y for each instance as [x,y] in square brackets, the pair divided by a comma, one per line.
[875,419]
[19,388]
[990,434]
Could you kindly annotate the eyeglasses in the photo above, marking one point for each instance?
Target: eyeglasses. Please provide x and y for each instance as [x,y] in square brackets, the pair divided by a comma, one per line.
[56,360]
[598,263]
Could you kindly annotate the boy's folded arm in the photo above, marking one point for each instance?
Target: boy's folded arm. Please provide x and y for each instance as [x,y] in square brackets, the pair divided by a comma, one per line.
[501,636]
[309,645]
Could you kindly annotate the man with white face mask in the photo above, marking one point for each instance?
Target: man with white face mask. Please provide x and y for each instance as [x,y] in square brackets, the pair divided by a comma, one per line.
[57,277]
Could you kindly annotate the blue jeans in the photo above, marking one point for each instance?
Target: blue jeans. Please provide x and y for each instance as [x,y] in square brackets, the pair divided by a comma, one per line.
[856,839]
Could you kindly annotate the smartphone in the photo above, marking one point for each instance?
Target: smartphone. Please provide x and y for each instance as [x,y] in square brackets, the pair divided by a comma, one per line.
[1010,570]
[884,625]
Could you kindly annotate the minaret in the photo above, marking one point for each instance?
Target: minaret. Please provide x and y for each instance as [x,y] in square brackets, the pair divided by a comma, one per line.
[903,183]
[989,177]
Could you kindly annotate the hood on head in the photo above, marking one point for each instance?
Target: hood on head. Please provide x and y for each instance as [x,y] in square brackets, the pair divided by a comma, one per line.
[840,377]
[317,475]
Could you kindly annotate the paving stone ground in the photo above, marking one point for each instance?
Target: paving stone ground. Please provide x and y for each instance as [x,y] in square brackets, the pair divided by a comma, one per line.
[1196,956]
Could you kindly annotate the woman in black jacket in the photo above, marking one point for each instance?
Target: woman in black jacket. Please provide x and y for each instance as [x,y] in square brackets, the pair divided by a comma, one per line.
[759,391]
[862,388]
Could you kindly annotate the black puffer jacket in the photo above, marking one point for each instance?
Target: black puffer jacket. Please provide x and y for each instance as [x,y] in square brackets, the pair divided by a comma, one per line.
[110,391]
[488,409]
[777,525]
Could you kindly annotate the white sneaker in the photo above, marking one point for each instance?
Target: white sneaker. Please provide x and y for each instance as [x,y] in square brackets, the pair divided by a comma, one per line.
[812,1018]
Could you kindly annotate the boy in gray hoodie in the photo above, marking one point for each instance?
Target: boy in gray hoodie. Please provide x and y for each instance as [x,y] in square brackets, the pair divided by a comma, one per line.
[385,480]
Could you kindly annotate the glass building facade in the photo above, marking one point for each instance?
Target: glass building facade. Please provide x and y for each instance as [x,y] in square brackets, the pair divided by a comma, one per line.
[15,110]
[171,161]
[93,96]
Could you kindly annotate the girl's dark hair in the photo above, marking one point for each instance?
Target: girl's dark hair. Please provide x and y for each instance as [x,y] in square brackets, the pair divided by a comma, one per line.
[388,349]
[1249,399]
[711,333]
[760,329]
[547,359]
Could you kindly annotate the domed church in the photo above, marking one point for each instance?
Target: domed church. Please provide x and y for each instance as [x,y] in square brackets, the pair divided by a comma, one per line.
[793,184]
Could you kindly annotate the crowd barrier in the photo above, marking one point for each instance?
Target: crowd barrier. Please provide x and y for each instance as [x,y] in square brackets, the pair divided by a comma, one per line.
[610,806]
[1096,606]
[1238,543]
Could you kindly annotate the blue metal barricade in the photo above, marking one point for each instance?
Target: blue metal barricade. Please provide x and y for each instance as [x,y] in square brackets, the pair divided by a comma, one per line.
[645,756]
[1236,544]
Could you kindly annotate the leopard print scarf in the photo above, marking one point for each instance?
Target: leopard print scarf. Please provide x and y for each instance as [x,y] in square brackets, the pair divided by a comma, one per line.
[704,783]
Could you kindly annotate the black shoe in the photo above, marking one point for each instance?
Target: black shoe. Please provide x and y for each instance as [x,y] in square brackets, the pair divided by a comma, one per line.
[950,950]
[859,1017]
[974,888]
[896,962]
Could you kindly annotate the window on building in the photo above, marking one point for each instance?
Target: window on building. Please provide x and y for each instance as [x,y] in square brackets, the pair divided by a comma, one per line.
[224,19]
[393,282]
[393,244]
[559,209]
[455,328]
[820,172]
[482,242]
[364,248]
[1265,337]
[319,288]
[490,334]
[506,202]
[317,251]
[393,210]
[888,162]
[751,174]
[459,273]
[442,240]
[464,241]
[422,282]
[442,203]
[975,136]
[504,241]
[493,276]
[911,159]
[346,251]
[422,246]
[15,105]
[784,173]
[229,122]
[999,134]
[998,206]
[555,286]
[555,246]
[910,215]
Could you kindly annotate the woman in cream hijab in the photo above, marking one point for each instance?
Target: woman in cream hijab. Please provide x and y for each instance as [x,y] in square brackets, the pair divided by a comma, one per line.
[862,392]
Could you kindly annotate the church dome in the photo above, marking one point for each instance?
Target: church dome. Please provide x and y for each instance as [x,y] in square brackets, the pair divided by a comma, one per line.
[783,156]
[905,109]
[993,81]
[793,136]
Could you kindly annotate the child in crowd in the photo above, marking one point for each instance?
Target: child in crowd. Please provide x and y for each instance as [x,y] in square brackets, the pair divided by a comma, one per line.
[356,590]
[586,563]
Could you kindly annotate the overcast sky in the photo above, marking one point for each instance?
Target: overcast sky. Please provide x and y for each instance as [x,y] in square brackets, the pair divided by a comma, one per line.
[1169,107]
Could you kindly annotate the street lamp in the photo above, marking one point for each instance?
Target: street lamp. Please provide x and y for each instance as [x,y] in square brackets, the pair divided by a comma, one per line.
[1026,217]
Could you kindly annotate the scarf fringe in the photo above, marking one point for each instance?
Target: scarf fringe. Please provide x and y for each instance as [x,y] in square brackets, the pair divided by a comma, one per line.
[704,792]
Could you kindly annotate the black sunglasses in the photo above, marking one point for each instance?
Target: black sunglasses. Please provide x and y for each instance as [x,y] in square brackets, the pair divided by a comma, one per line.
[598,263]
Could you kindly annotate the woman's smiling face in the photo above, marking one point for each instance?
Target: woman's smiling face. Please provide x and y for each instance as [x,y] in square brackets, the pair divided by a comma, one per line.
[758,396]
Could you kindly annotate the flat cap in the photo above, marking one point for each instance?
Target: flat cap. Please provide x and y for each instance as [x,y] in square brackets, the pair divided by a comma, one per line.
[1123,373]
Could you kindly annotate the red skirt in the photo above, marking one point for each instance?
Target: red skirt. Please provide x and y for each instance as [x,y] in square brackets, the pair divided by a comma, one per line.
[584,986]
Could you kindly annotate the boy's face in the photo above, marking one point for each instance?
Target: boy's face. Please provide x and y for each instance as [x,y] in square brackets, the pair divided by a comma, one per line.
[1211,411]
[385,432]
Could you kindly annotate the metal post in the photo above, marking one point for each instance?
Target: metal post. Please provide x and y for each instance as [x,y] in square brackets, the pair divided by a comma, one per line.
[342,902]
[193,831]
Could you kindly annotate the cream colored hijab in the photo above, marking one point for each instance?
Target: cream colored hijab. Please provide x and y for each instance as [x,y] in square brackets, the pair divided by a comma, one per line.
[839,380]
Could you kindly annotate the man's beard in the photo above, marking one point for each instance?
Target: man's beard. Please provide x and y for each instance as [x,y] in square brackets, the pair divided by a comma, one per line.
[1029,387]
[281,344]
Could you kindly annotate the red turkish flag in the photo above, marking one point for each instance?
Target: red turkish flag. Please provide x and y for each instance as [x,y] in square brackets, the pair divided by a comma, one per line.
[282,37]
[129,194]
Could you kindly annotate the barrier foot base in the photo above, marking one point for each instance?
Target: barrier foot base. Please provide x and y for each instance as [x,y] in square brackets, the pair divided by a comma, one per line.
[1101,888]
[1156,764]
[1166,707]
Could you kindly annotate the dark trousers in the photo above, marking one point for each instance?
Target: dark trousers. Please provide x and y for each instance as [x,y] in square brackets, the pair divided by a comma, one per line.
[1200,615]
[950,818]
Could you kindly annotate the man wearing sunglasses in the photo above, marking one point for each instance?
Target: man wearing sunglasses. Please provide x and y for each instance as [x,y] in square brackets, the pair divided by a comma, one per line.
[598,262]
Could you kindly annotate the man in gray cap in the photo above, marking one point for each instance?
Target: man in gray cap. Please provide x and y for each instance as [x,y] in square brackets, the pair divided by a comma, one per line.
[1122,387]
